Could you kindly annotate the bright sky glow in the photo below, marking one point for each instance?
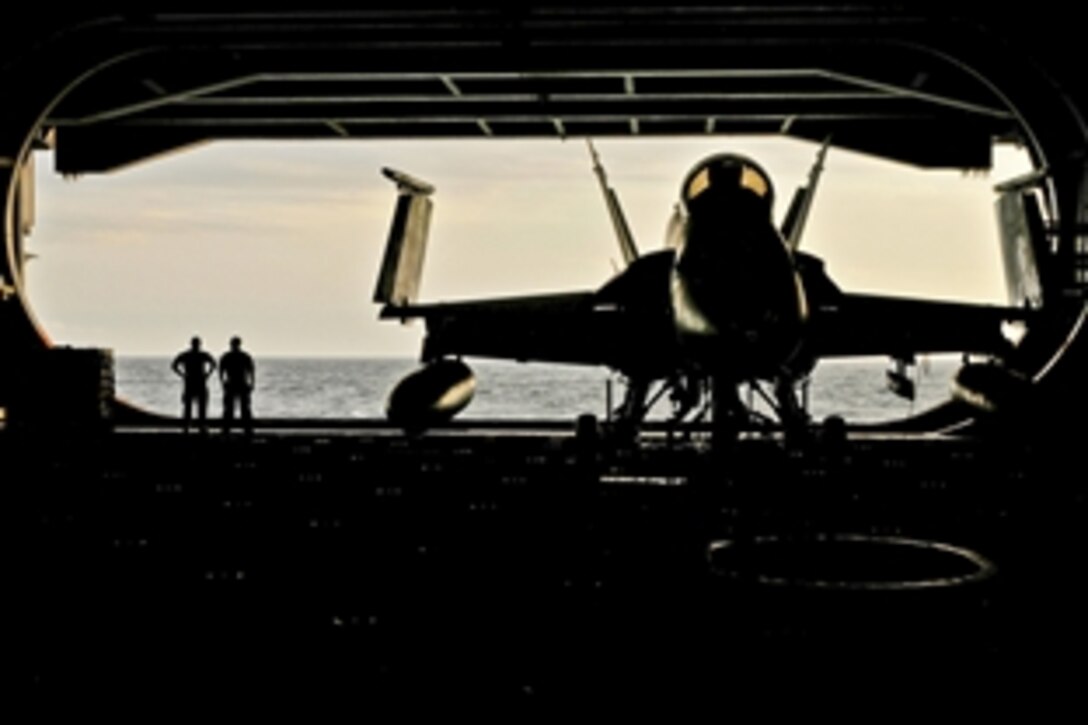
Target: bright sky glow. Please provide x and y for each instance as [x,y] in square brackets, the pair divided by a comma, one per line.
[280,242]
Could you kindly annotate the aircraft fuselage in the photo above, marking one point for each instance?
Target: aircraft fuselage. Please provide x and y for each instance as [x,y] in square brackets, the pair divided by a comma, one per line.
[738,303]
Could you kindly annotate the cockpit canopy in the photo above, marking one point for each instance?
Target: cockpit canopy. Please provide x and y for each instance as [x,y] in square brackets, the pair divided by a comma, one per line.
[724,176]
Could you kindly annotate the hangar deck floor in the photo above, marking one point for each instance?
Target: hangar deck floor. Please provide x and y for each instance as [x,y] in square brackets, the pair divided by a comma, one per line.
[487,564]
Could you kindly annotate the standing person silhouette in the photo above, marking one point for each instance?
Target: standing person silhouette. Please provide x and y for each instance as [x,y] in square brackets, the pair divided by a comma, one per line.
[238,377]
[194,366]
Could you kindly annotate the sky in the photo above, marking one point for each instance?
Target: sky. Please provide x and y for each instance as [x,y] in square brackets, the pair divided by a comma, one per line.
[280,242]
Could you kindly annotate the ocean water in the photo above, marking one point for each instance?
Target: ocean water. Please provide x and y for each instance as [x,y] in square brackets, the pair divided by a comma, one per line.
[357,388]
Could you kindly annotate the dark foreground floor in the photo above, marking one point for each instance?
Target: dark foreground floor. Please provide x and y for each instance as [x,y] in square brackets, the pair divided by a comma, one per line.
[486,566]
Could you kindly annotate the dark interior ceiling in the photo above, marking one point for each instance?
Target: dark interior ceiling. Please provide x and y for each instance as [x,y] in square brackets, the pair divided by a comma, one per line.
[423,73]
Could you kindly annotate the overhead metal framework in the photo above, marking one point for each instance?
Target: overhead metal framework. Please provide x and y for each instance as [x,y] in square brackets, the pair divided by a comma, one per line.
[544,72]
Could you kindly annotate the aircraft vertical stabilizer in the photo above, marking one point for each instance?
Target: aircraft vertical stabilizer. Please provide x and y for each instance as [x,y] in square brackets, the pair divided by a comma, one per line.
[615,211]
[402,265]
[793,226]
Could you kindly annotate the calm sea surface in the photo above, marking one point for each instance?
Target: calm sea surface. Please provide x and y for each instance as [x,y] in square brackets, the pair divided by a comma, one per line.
[357,388]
